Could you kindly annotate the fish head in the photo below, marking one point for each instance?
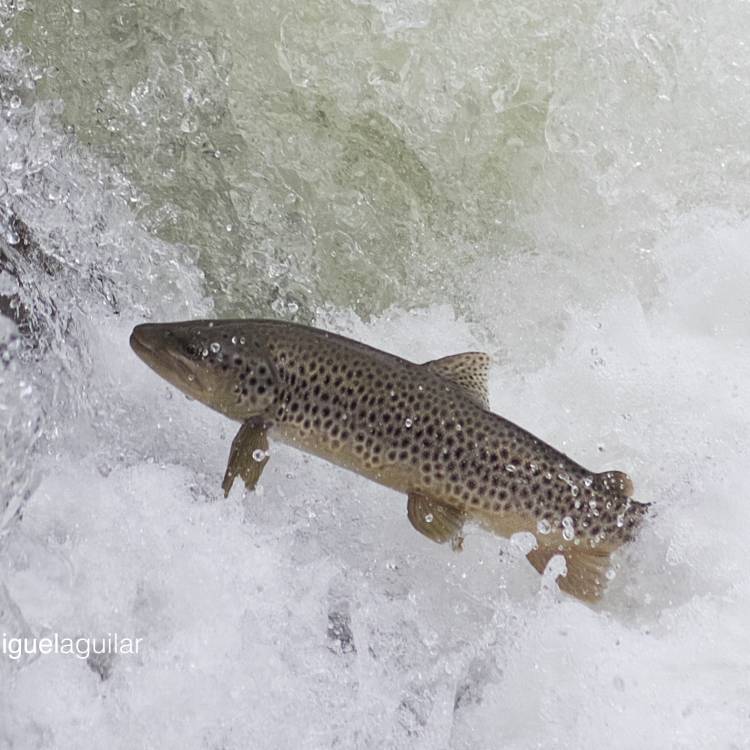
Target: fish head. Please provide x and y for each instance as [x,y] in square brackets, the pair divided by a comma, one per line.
[217,362]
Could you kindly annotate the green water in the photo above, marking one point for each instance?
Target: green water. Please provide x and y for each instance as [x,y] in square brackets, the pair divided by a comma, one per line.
[360,155]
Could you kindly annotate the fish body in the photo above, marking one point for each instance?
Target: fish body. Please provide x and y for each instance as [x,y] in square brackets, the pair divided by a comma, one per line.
[421,429]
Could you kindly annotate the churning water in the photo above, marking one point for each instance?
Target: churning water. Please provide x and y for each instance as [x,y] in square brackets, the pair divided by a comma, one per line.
[565,186]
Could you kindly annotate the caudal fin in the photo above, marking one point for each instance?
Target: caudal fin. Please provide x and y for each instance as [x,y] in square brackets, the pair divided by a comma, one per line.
[587,567]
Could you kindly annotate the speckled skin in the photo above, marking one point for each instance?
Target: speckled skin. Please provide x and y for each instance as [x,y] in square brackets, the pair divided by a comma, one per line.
[398,423]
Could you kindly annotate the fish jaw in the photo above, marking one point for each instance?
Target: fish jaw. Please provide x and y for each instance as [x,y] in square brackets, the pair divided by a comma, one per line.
[209,362]
[151,343]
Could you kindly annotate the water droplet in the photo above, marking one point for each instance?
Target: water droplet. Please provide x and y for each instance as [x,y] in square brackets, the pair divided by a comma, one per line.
[543,526]
[592,504]
[408,423]
[259,455]
[510,468]
[588,481]
[611,573]
[242,339]
[234,339]
[620,521]
[11,236]
[574,490]
[191,378]
[429,518]
[568,533]
[15,101]
[204,353]
[216,347]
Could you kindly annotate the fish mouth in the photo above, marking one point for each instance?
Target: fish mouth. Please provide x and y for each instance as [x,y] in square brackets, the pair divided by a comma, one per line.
[148,342]
[151,342]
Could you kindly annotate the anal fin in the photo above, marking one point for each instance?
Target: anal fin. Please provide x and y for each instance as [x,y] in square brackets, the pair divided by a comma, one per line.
[439,522]
[248,455]
[587,567]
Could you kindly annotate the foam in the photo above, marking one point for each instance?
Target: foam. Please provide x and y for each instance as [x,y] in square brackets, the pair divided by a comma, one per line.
[314,599]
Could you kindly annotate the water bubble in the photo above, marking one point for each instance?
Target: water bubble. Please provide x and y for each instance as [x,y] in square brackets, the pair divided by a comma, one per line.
[216,347]
[188,124]
[568,531]
[259,455]
[543,527]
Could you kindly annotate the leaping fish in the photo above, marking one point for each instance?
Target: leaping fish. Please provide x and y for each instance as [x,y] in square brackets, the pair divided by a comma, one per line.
[421,429]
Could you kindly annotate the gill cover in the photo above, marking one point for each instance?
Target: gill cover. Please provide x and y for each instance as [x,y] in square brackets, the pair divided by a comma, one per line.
[219,363]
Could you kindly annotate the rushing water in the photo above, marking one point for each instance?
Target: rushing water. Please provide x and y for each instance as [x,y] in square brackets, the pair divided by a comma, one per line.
[562,185]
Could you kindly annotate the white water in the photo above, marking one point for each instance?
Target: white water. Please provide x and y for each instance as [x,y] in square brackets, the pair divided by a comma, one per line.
[564,189]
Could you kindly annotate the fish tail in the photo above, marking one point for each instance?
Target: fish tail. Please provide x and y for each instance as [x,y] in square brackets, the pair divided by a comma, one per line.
[588,564]
[586,569]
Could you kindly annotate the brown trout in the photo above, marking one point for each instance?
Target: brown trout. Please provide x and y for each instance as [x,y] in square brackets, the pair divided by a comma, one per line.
[421,429]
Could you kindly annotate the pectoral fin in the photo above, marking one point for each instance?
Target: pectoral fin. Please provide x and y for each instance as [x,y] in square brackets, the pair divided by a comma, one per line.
[437,521]
[248,455]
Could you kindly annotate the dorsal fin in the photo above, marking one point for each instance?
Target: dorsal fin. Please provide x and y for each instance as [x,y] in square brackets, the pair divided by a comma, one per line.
[468,371]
